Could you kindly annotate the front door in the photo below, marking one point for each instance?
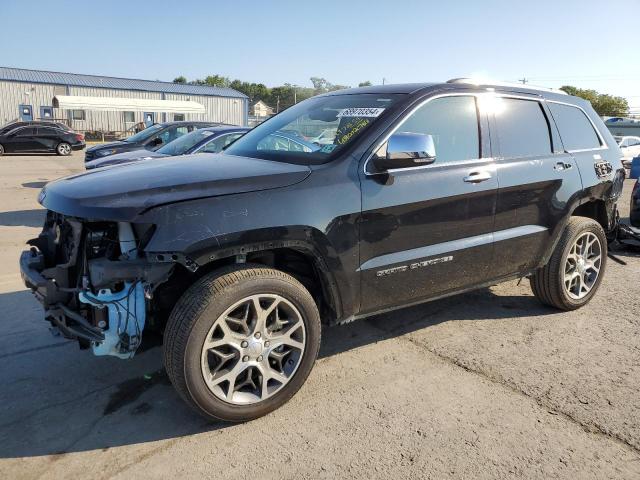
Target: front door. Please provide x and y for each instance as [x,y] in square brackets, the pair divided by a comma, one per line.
[26,113]
[428,230]
[21,140]
[149,118]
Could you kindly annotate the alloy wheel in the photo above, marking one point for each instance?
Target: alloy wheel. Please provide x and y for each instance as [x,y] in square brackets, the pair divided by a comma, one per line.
[64,149]
[253,349]
[582,265]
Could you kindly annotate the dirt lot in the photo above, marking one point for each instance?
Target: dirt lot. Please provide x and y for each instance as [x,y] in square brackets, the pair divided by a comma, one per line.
[485,385]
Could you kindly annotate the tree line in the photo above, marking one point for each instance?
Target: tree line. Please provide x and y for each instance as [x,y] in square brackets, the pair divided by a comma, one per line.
[279,97]
[284,96]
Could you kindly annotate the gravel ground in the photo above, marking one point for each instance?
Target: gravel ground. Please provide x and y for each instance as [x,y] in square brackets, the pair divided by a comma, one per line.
[485,385]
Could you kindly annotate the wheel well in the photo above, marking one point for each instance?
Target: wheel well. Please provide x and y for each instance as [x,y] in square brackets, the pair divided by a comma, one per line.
[300,265]
[594,209]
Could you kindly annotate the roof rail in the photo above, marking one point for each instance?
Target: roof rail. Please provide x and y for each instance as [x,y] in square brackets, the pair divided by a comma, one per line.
[476,81]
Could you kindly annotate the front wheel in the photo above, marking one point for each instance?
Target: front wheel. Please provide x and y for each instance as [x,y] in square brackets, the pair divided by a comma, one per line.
[63,149]
[574,272]
[241,342]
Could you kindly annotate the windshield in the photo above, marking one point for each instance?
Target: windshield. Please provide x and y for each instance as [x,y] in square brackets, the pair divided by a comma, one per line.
[144,134]
[180,145]
[293,135]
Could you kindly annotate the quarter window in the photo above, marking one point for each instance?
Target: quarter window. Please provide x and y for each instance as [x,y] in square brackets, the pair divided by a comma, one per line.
[523,130]
[453,124]
[576,131]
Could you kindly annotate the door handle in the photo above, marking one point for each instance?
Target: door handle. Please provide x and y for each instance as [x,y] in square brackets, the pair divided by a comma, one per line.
[562,166]
[477,176]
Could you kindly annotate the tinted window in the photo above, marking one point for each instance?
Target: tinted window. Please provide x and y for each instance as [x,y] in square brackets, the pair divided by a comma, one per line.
[522,128]
[453,123]
[576,131]
[48,131]
[218,144]
[26,132]
[170,134]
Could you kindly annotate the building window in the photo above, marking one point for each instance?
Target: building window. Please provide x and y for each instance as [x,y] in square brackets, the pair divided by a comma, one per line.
[77,115]
[178,117]
[129,117]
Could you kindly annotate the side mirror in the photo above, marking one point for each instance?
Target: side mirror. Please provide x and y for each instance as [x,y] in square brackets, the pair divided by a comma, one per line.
[404,150]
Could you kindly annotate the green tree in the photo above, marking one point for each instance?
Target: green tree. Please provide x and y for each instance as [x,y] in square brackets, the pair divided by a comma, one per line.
[180,79]
[365,84]
[602,103]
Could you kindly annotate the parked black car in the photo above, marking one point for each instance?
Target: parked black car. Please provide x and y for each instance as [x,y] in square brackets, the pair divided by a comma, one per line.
[204,140]
[34,123]
[427,190]
[151,138]
[634,216]
[36,138]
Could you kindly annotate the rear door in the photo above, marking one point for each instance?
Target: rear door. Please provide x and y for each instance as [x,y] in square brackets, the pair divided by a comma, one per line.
[47,138]
[427,230]
[538,182]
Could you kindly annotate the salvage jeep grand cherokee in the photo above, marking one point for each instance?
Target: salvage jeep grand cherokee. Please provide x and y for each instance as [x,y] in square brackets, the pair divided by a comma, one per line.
[425,191]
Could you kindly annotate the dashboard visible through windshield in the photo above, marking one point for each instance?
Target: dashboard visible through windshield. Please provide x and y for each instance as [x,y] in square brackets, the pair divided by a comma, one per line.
[312,131]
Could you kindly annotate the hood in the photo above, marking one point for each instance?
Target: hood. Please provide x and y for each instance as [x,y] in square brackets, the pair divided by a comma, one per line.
[125,157]
[121,192]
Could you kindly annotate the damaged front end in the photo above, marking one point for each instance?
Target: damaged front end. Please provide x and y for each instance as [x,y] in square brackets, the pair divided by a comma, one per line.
[94,281]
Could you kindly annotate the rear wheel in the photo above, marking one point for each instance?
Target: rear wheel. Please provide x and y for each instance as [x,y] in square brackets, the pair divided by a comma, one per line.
[575,269]
[63,149]
[1,150]
[241,342]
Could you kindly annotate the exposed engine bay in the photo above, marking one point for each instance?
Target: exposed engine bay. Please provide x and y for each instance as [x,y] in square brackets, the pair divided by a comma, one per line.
[94,281]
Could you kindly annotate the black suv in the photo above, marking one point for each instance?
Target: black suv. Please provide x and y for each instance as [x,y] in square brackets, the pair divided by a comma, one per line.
[37,137]
[151,138]
[426,190]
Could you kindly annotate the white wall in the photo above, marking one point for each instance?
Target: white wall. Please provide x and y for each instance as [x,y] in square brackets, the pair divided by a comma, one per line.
[12,94]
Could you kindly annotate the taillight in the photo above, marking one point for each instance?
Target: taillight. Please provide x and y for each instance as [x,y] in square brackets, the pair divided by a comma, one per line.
[79,137]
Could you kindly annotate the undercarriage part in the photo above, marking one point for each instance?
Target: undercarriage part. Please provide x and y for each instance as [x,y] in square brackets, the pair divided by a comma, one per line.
[126,317]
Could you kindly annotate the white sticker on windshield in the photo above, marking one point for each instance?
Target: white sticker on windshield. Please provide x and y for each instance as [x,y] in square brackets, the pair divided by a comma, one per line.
[360,112]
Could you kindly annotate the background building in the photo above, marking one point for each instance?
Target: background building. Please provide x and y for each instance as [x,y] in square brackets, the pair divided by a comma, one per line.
[90,103]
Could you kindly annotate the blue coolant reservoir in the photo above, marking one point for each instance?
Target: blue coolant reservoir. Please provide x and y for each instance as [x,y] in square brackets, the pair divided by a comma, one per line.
[126,319]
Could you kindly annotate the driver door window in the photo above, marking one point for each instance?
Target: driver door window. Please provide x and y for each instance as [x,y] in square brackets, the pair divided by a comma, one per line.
[453,124]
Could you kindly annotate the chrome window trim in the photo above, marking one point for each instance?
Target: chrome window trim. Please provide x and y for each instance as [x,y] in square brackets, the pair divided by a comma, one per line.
[470,161]
[603,144]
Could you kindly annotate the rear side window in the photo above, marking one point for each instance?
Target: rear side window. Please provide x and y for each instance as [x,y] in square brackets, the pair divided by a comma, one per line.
[453,123]
[576,130]
[523,130]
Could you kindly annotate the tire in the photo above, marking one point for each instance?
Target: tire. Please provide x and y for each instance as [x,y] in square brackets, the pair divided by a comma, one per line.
[552,284]
[1,150]
[63,149]
[202,313]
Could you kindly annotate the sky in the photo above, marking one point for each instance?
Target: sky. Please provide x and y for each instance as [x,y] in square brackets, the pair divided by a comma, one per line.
[588,43]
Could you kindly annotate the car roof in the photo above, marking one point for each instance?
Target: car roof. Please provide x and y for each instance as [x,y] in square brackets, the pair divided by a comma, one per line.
[458,84]
[225,128]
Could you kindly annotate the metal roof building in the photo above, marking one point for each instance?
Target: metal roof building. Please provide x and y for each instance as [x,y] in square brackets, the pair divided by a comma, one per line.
[99,103]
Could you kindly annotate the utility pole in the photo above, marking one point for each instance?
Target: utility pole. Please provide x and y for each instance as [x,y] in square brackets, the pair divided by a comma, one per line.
[523,80]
